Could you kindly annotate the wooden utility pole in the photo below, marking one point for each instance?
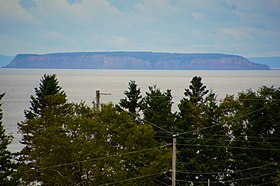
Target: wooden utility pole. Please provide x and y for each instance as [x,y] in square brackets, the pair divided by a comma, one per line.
[98,99]
[174,160]
[98,102]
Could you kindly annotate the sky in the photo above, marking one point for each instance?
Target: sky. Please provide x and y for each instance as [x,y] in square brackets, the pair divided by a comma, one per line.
[250,28]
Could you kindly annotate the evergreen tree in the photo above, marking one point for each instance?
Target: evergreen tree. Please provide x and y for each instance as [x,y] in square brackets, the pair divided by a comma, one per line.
[256,131]
[198,122]
[7,166]
[42,127]
[157,109]
[196,90]
[132,100]
[73,144]
[48,86]
[129,148]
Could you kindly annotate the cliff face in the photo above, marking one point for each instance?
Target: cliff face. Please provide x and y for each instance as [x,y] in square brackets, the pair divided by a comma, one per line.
[135,60]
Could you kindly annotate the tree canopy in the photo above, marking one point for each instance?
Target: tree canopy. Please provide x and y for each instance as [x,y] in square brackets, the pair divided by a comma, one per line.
[7,166]
[69,143]
[234,141]
[133,98]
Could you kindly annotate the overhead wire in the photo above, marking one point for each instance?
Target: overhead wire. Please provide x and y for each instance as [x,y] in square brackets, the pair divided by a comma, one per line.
[230,147]
[230,172]
[134,178]
[228,181]
[246,178]
[269,183]
[98,158]
[205,140]
[165,130]
[220,123]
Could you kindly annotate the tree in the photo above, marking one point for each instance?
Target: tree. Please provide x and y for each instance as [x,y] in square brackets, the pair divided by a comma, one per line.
[92,147]
[256,131]
[48,86]
[7,166]
[132,100]
[131,154]
[196,90]
[157,109]
[198,123]
[74,144]
[48,107]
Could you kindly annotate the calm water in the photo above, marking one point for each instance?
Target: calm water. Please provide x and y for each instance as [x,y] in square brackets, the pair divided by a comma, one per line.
[80,85]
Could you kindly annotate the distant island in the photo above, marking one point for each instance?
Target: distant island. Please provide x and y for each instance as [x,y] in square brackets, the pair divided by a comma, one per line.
[135,60]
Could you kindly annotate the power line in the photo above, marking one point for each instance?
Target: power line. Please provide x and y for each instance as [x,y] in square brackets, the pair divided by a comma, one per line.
[228,172]
[167,131]
[134,178]
[240,136]
[182,133]
[224,137]
[232,147]
[229,181]
[248,178]
[162,183]
[275,180]
[205,140]
[99,158]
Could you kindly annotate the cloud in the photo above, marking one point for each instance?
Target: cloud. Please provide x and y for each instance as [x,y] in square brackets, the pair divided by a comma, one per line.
[167,25]
[12,11]
[198,16]
[197,34]
[236,33]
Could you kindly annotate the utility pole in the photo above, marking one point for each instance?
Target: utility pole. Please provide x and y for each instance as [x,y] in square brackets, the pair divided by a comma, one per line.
[174,160]
[98,99]
[98,94]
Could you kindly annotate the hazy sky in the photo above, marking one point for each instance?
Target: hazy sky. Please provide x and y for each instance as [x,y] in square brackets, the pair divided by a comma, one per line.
[246,27]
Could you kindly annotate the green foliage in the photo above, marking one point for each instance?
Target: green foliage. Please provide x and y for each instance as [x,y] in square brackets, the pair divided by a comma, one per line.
[256,130]
[132,100]
[234,142]
[91,147]
[74,144]
[46,116]
[198,122]
[196,90]
[157,109]
[7,166]
[132,147]
[48,86]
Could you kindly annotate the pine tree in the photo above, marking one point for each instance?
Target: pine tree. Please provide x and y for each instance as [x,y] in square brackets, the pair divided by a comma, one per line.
[157,109]
[132,100]
[42,127]
[256,130]
[198,121]
[74,144]
[7,165]
[48,86]
[196,90]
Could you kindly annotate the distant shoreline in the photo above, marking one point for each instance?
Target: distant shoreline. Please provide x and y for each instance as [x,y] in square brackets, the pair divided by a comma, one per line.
[135,61]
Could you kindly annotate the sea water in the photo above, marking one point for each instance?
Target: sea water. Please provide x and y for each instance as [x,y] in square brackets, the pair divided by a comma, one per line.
[81,85]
